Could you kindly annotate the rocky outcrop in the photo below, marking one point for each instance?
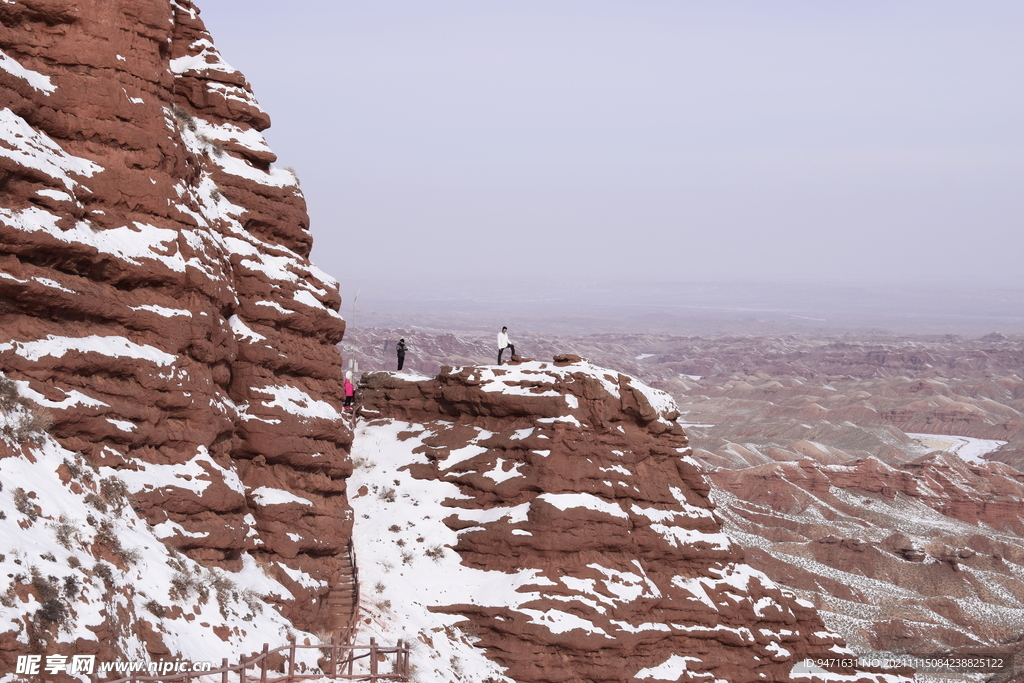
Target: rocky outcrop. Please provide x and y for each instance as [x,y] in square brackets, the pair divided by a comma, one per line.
[574,535]
[156,295]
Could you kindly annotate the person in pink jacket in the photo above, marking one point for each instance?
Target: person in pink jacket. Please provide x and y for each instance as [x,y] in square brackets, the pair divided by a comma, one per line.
[350,392]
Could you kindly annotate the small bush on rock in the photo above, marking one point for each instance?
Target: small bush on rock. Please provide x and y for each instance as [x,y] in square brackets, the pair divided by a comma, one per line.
[114,492]
[156,609]
[52,612]
[95,501]
[102,570]
[65,531]
[130,555]
[79,469]
[9,397]
[183,117]
[24,505]
[35,424]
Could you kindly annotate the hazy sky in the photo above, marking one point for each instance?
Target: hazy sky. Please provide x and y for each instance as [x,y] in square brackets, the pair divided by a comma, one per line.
[861,141]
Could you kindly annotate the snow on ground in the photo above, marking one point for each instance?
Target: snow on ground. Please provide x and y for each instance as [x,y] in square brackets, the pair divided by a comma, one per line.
[406,565]
[968,448]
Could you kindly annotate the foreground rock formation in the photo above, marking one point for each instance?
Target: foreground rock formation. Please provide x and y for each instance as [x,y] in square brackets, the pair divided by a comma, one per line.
[156,297]
[87,576]
[551,516]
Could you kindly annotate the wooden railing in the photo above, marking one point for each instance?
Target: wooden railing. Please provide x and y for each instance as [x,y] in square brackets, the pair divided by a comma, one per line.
[348,634]
[342,663]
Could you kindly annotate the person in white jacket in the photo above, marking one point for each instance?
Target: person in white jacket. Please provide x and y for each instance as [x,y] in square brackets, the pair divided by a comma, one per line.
[504,343]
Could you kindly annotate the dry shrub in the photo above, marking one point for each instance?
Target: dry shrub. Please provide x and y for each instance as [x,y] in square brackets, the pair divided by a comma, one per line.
[65,531]
[10,398]
[24,505]
[156,609]
[79,469]
[102,570]
[25,421]
[114,492]
[183,117]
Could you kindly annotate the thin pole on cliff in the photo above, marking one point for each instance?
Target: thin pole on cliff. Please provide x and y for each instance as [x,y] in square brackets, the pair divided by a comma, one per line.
[354,300]
[334,655]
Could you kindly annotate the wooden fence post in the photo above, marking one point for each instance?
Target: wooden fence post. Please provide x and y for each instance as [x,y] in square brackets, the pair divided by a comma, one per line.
[241,671]
[224,675]
[291,659]
[373,659]
[263,663]
[334,655]
[398,658]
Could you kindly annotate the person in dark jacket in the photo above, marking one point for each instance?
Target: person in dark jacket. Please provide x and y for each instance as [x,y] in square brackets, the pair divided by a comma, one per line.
[400,349]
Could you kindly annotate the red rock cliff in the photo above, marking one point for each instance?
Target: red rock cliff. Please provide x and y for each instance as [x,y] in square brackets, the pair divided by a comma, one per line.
[155,288]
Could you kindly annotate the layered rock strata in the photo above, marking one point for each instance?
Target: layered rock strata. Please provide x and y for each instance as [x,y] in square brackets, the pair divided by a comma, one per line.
[156,295]
[927,556]
[545,522]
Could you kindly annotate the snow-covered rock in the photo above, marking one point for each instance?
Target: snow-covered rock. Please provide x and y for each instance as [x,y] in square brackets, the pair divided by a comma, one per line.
[157,299]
